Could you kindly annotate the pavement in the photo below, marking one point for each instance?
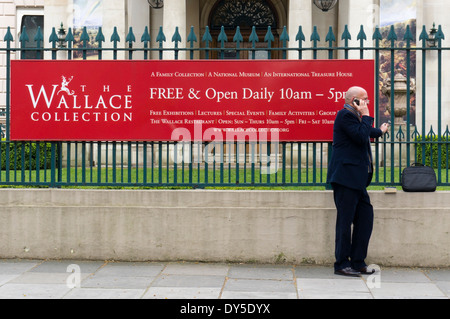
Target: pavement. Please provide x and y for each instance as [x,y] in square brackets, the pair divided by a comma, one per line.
[34,279]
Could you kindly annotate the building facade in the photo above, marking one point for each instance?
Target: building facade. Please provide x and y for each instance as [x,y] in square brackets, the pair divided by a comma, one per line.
[199,14]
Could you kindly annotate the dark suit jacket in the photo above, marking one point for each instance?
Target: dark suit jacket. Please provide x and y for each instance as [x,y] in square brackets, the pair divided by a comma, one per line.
[351,155]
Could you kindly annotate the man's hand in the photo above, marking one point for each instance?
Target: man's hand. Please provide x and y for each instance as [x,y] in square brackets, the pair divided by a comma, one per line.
[384,127]
[362,108]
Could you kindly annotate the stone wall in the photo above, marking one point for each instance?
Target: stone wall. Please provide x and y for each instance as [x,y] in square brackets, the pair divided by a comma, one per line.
[215,226]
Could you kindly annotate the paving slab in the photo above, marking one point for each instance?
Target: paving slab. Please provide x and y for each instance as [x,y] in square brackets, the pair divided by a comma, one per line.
[260,285]
[93,293]
[403,275]
[405,290]
[438,274]
[201,269]
[261,272]
[117,282]
[189,281]
[65,266]
[258,295]
[444,286]
[33,291]
[72,279]
[12,267]
[182,293]
[332,288]
[44,278]
[314,272]
[121,269]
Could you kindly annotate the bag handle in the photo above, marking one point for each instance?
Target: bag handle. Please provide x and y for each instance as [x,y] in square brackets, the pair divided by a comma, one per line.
[417,164]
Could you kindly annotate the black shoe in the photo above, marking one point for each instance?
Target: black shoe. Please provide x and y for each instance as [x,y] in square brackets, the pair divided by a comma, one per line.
[366,271]
[349,272]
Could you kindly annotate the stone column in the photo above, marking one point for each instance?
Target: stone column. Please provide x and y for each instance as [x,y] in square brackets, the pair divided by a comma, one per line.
[355,13]
[114,16]
[300,14]
[138,17]
[174,16]
[55,13]
[429,12]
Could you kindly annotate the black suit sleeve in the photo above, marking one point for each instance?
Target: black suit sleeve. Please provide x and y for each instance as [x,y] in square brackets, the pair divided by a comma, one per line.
[358,131]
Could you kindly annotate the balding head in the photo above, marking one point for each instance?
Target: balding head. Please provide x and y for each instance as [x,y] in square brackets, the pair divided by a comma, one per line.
[355,92]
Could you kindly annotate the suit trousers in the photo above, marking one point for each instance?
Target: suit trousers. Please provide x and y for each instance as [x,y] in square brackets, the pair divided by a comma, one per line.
[353,208]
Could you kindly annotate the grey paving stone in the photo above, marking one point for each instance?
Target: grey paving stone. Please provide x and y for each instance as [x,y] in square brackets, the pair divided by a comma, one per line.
[261,272]
[93,293]
[403,275]
[260,285]
[258,295]
[131,269]
[33,291]
[315,272]
[44,278]
[333,288]
[196,269]
[182,293]
[7,278]
[189,281]
[12,267]
[438,274]
[117,282]
[63,266]
[444,286]
[406,290]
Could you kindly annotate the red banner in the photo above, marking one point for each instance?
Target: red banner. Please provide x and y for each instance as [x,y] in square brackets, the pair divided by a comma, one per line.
[296,100]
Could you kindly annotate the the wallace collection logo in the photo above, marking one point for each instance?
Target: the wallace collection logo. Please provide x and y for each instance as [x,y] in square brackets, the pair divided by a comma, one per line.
[61,103]
[64,85]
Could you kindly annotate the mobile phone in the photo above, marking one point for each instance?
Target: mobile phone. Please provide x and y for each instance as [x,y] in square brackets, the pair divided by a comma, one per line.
[356,101]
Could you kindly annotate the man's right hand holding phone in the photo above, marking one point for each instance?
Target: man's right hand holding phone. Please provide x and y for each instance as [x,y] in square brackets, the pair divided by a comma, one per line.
[361,107]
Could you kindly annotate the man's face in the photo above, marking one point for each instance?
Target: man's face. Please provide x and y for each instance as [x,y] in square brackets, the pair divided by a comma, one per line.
[362,96]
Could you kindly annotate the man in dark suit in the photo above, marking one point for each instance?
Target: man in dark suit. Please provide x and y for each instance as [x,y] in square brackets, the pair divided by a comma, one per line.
[350,172]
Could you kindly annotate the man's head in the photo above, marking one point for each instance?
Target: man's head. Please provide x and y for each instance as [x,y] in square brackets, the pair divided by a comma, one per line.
[355,92]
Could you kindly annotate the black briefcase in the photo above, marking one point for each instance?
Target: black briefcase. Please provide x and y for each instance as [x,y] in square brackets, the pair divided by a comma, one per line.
[419,178]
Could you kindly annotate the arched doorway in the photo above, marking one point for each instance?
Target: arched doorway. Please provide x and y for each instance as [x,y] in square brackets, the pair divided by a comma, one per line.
[244,13]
